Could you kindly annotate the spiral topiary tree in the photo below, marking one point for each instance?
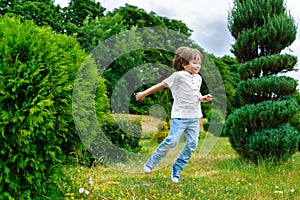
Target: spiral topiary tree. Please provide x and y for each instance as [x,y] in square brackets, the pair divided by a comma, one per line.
[261,128]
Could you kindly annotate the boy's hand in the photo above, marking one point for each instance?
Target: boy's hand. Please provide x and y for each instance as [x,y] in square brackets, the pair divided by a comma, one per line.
[205,98]
[139,96]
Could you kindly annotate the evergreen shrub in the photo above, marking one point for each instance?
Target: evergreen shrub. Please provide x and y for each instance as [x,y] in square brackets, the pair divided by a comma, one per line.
[275,144]
[37,70]
[249,131]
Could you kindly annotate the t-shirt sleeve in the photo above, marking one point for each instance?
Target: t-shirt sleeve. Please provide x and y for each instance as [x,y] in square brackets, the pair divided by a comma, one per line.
[170,80]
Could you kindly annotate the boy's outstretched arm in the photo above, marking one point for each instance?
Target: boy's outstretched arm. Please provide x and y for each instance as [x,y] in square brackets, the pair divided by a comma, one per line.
[142,95]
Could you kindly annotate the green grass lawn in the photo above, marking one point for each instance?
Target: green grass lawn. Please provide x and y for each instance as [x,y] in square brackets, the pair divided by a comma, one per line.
[219,175]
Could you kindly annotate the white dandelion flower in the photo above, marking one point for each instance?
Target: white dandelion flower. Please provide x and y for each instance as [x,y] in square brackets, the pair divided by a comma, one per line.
[91,180]
[279,192]
[81,190]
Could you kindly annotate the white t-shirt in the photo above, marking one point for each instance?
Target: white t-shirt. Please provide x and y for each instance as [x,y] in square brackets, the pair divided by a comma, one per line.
[185,88]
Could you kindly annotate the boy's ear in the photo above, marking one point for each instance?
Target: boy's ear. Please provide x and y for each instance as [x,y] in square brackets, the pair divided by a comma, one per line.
[183,65]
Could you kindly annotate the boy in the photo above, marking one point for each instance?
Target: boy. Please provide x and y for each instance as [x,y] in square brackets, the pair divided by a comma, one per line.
[185,86]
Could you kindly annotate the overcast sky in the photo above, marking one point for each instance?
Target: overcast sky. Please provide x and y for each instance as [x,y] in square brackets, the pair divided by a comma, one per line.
[207,19]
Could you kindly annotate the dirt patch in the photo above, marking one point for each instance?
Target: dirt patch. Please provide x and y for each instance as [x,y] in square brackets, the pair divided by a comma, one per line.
[149,123]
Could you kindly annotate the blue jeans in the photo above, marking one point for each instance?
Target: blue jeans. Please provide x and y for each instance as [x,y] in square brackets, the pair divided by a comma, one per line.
[191,129]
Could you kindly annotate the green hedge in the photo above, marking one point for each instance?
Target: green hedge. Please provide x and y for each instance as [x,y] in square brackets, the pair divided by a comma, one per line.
[37,71]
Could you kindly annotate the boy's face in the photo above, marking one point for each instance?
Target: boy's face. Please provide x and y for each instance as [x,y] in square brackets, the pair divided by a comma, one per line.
[193,67]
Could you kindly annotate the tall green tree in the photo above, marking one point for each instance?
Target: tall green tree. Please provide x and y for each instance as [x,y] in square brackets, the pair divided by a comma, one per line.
[261,129]
[43,12]
[137,17]
[94,31]
[7,6]
[134,16]
[77,11]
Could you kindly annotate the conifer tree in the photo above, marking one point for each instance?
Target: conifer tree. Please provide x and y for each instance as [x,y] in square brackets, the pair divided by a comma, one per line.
[261,128]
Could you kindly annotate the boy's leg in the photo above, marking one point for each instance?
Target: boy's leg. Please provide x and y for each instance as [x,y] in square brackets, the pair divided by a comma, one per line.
[191,137]
[176,130]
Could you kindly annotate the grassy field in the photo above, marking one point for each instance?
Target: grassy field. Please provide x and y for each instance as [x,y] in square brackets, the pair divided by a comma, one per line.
[219,175]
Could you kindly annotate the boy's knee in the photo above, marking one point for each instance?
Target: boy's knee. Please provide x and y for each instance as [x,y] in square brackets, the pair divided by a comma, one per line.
[171,143]
[192,146]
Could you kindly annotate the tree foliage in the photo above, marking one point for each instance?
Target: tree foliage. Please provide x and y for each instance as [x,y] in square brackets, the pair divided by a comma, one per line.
[78,11]
[228,68]
[134,16]
[261,128]
[43,12]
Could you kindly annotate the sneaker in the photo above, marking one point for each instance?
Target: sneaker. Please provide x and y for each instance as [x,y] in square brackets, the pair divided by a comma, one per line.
[175,174]
[148,166]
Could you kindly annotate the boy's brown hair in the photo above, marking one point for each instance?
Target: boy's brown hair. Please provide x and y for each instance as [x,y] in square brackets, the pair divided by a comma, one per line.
[184,55]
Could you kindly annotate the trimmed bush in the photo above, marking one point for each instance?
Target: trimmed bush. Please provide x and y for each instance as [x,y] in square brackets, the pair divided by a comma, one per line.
[37,72]
[248,124]
[258,90]
[274,144]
